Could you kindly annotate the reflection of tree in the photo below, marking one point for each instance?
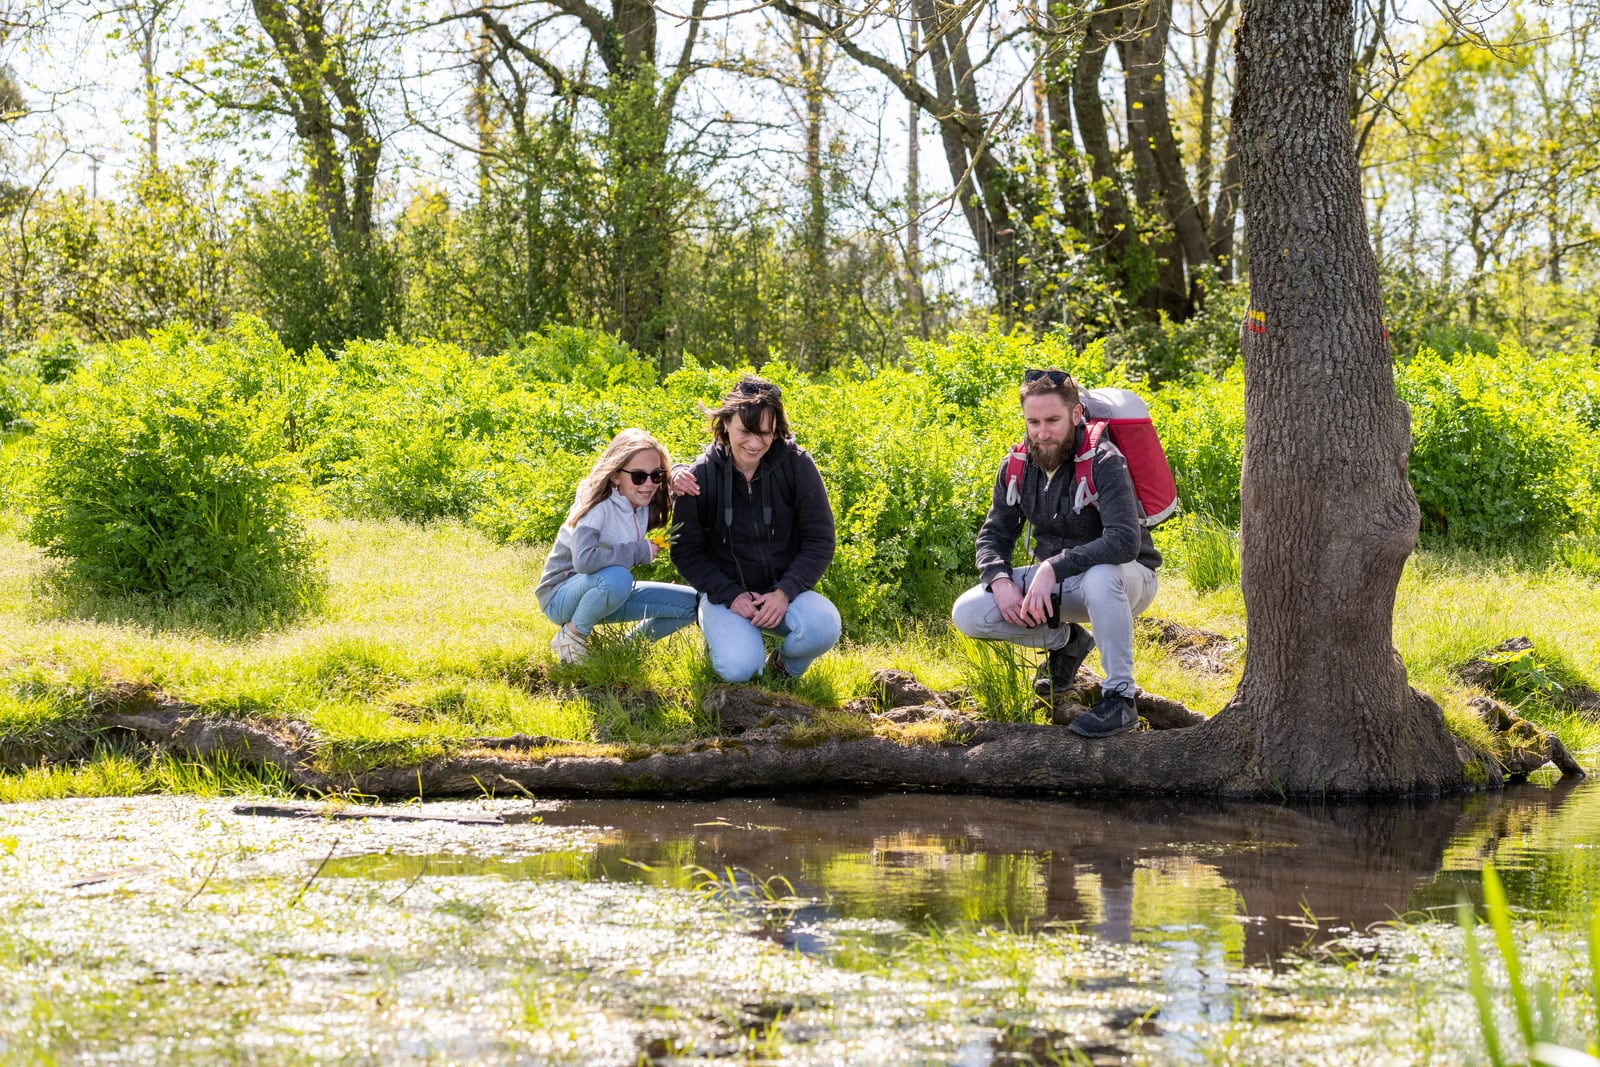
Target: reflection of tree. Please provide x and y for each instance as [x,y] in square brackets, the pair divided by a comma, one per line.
[1244,879]
[1557,825]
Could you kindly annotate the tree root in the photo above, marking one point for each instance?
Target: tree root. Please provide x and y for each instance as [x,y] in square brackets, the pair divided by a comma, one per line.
[1527,747]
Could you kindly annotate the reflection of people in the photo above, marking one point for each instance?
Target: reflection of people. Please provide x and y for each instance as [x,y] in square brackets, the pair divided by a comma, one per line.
[586,577]
[1098,562]
[753,534]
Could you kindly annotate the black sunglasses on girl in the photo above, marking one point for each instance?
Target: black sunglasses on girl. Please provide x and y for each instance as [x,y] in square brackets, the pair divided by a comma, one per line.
[656,476]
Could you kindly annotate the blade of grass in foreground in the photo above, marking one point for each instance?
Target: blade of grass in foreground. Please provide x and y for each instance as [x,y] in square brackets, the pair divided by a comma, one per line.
[1494,901]
[1478,983]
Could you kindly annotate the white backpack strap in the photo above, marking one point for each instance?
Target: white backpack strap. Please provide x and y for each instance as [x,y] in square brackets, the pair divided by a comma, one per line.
[1014,473]
[1086,494]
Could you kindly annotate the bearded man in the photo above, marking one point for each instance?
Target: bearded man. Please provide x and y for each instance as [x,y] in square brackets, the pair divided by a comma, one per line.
[1094,563]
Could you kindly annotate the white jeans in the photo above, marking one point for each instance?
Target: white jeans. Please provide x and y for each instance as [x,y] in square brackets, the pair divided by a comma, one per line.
[1107,596]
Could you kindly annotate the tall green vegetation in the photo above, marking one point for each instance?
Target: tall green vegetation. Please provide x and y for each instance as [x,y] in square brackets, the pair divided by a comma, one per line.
[143,444]
[164,470]
[1505,444]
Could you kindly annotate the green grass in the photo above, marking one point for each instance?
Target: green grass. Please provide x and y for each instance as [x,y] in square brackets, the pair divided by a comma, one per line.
[109,773]
[430,636]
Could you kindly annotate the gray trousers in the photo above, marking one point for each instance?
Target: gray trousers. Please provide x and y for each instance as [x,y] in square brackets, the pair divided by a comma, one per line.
[1108,597]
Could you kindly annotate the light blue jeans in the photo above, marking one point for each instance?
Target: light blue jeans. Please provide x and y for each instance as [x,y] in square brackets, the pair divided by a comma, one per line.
[1107,596]
[611,595]
[809,628]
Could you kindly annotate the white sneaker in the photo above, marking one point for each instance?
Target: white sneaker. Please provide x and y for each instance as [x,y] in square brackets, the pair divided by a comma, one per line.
[569,646]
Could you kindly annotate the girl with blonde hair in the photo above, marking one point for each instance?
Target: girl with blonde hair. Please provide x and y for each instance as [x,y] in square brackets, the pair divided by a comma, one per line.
[587,580]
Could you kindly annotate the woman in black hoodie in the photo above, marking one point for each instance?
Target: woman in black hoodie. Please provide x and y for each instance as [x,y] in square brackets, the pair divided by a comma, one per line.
[753,532]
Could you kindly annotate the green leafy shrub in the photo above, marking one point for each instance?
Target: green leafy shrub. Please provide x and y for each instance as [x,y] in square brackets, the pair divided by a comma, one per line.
[574,356]
[909,489]
[314,287]
[164,472]
[21,395]
[973,372]
[27,375]
[50,359]
[404,429]
[1501,454]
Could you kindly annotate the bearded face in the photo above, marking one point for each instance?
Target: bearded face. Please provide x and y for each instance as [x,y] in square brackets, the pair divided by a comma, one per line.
[1049,455]
[1052,430]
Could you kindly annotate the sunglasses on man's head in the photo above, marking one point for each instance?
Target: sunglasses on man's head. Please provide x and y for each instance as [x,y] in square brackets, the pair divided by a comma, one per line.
[1054,377]
[656,476]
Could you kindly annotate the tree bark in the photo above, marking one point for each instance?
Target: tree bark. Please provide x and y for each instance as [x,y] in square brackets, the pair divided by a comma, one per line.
[1328,516]
[314,69]
[914,290]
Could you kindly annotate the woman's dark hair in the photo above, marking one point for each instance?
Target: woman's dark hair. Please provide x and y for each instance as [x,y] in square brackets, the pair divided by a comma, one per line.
[748,401]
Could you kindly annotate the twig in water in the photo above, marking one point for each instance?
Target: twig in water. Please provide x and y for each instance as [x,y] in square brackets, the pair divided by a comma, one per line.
[414,880]
[301,894]
[203,883]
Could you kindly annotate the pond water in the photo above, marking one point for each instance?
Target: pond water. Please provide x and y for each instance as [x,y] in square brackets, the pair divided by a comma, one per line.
[837,928]
[1252,882]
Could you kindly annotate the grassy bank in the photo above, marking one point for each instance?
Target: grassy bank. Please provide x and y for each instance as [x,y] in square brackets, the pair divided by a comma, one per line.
[425,637]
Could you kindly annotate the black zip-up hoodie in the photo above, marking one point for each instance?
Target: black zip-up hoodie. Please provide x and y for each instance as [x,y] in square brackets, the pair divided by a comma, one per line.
[789,553]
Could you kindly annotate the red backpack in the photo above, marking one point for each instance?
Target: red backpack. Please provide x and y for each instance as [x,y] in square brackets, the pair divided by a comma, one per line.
[1123,415]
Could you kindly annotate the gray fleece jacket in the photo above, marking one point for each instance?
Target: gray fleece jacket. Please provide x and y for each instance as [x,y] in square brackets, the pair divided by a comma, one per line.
[610,535]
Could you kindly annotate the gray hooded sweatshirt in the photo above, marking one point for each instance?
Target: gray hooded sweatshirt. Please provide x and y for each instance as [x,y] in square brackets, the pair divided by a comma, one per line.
[610,535]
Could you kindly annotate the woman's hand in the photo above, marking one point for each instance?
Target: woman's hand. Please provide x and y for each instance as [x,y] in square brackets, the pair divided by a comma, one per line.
[682,481]
[658,539]
[770,609]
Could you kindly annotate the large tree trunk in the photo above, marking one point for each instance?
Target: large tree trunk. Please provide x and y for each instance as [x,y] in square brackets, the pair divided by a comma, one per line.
[1328,515]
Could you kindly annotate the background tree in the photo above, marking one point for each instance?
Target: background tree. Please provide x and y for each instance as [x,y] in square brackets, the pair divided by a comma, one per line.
[636,97]
[13,107]
[320,271]
[1489,159]
[146,24]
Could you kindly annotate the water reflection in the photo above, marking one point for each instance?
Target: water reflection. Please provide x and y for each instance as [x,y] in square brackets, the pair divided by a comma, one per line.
[1209,882]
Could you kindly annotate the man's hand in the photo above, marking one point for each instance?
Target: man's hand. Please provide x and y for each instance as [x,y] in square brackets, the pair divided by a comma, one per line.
[770,609]
[682,481]
[1036,605]
[1009,600]
[744,606]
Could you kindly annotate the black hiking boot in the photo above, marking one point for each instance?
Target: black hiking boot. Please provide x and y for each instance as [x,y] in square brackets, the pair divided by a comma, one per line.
[1062,674]
[1111,714]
